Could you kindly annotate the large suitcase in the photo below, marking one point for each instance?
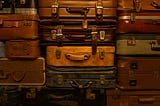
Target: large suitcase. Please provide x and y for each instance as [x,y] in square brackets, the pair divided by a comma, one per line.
[18,26]
[19,6]
[22,49]
[22,72]
[79,11]
[142,22]
[132,98]
[81,77]
[80,56]
[75,34]
[137,44]
[138,73]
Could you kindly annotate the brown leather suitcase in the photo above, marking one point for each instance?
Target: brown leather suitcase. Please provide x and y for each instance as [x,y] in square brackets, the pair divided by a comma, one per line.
[80,56]
[138,73]
[22,72]
[141,22]
[18,26]
[132,98]
[75,34]
[83,11]
[22,49]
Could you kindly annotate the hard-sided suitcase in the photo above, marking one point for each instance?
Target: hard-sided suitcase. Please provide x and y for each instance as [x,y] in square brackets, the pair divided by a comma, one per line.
[75,34]
[83,11]
[2,49]
[137,44]
[22,72]
[18,6]
[138,73]
[142,22]
[81,77]
[22,49]
[80,56]
[18,26]
[132,98]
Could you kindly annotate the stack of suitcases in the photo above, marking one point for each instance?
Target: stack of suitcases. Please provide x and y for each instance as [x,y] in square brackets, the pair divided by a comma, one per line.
[137,50]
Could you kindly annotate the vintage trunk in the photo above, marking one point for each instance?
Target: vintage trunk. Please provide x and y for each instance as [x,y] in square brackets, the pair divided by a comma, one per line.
[140,73]
[80,56]
[75,34]
[142,22]
[22,72]
[133,98]
[81,77]
[138,44]
[22,49]
[2,49]
[18,6]
[84,11]
[18,26]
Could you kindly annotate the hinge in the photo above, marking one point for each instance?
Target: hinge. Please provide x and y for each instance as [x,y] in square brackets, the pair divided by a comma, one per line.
[137,5]
[94,40]
[54,8]
[99,10]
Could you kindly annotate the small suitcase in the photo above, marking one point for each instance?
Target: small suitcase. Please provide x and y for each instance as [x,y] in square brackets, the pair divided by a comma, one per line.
[84,11]
[141,22]
[138,73]
[132,98]
[2,49]
[18,6]
[22,72]
[18,26]
[22,49]
[80,56]
[81,77]
[137,44]
[75,34]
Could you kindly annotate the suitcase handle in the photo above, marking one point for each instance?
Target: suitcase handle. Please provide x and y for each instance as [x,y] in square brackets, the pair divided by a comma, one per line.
[77,57]
[75,84]
[78,10]
[146,100]
[153,47]
[19,78]
[155,5]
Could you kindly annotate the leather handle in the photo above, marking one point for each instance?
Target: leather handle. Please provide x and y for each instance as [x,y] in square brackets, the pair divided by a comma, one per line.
[78,37]
[75,84]
[77,57]
[20,76]
[78,10]
[145,100]
[155,5]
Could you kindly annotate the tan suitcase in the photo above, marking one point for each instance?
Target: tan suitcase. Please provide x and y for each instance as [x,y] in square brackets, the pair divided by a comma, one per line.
[80,56]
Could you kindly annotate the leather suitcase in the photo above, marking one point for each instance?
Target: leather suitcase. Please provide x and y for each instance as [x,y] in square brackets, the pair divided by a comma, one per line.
[22,72]
[22,49]
[18,26]
[2,49]
[137,44]
[18,6]
[141,22]
[75,34]
[132,98]
[84,11]
[80,56]
[81,77]
[140,73]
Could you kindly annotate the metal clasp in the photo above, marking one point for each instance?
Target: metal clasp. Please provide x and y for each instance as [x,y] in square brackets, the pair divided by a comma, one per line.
[101,54]
[102,79]
[99,10]
[102,35]
[54,8]
[137,5]
[131,42]
[22,1]
[59,79]
[59,36]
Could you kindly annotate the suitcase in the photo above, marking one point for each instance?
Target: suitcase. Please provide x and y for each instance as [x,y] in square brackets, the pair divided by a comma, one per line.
[75,34]
[141,22]
[22,49]
[140,73]
[132,98]
[81,77]
[80,56]
[2,49]
[84,11]
[22,72]
[137,44]
[18,26]
[18,6]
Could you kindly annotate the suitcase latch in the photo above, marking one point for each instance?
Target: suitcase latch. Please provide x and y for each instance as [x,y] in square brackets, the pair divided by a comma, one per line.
[22,1]
[58,54]
[131,42]
[137,5]
[102,35]
[85,22]
[99,11]
[94,40]
[59,36]
[102,79]
[54,9]
[59,79]
[101,54]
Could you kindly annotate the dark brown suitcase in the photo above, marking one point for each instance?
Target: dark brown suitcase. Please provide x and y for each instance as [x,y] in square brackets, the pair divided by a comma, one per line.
[18,26]
[79,10]
[132,98]
[140,73]
[22,49]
